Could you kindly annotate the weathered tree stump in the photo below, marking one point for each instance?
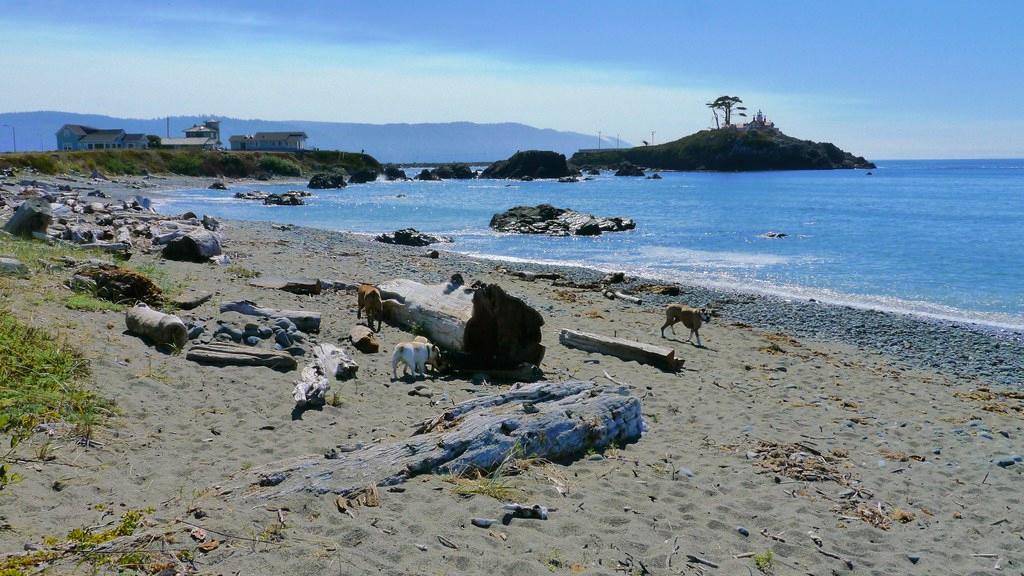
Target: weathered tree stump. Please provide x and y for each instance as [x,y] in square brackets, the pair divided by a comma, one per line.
[485,327]
[160,328]
[230,354]
[629,350]
[328,363]
[303,320]
[34,215]
[558,421]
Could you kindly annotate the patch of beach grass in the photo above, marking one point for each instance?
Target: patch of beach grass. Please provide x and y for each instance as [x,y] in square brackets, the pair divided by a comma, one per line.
[242,272]
[497,484]
[161,276]
[41,380]
[85,302]
[764,561]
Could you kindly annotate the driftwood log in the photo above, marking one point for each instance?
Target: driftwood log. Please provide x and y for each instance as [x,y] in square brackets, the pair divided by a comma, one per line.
[484,327]
[195,245]
[34,215]
[629,350]
[613,294]
[230,354]
[303,320]
[558,421]
[160,328]
[293,285]
[328,363]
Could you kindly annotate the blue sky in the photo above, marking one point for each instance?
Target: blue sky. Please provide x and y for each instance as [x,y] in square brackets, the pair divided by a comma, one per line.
[885,79]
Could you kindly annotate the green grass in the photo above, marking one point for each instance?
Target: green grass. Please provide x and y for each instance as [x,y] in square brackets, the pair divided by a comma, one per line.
[764,561]
[242,272]
[160,276]
[86,302]
[41,380]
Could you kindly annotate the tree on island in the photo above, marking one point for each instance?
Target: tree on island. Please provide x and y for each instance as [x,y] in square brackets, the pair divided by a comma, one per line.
[726,104]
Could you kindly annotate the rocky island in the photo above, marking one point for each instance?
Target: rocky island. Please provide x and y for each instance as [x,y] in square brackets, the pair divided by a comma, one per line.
[729,149]
[529,165]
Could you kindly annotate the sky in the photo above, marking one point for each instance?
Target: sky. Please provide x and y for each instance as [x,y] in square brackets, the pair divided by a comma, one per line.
[904,79]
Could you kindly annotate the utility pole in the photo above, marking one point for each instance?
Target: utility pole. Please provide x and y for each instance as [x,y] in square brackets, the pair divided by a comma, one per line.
[652,137]
[598,139]
[14,136]
[616,141]
[168,127]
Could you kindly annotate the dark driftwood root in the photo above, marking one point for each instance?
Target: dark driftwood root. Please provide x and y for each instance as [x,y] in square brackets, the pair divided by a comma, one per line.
[230,354]
[484,327]
[556,421]
[121,285]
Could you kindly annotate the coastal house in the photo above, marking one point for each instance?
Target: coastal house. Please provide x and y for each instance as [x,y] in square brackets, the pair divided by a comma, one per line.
[205,136]
[270,141]
[79,137]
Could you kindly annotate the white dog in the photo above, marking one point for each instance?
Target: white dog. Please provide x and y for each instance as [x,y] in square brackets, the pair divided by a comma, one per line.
[415,355]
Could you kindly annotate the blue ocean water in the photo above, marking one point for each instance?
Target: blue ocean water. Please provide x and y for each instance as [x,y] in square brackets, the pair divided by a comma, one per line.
[940,238]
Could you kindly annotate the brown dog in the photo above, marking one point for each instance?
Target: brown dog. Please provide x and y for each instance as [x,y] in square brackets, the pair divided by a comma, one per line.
[369,300]
[691,318]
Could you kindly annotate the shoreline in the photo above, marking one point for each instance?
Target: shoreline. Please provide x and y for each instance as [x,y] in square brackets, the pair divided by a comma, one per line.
[1001,323]
[917,341]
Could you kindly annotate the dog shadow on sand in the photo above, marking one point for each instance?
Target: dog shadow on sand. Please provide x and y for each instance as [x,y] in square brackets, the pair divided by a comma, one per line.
[691,343]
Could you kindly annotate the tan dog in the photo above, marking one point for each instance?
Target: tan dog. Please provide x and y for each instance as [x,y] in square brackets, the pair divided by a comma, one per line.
[690,317]
[414,355]
[369,300]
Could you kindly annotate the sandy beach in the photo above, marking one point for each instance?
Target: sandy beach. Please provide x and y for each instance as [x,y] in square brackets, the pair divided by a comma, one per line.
[835,456]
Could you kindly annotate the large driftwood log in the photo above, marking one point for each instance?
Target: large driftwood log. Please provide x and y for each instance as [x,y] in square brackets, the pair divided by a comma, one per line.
[34,215]
[551,420]
[293,285]
[196,245]
[664,358]
[484,326]
[303,320]
[230,354]
[161,328]
[328,363]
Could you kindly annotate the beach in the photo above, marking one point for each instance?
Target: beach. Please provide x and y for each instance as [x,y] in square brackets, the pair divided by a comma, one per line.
[909,446]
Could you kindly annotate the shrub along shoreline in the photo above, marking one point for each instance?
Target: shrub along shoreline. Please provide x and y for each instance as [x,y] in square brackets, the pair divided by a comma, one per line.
[209,163]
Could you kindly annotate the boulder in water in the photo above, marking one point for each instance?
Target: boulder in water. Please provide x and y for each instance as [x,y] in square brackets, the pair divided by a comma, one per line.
[323,180]
[363,176]
[411,237]
[530,164]
[547,219]
[628,169]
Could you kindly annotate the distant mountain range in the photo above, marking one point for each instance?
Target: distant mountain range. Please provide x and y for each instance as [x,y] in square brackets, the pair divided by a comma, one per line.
[446,142]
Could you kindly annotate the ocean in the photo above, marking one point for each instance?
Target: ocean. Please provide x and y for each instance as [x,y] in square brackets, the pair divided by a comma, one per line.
[936,238]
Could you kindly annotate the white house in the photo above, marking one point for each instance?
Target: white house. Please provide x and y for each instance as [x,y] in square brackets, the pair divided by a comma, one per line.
[270,141]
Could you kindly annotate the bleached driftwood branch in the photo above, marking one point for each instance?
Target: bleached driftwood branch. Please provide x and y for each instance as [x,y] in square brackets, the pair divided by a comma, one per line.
[629,350]
[552,420]
[230,354]
[327,363]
